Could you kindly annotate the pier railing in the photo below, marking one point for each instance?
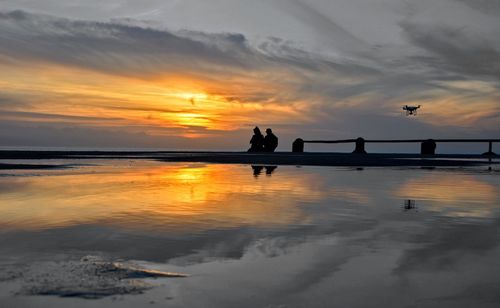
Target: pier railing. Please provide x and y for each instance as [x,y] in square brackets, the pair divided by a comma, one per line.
[427,146]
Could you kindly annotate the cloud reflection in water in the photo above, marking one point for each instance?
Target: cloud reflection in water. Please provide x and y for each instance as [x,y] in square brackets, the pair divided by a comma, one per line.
[300,237]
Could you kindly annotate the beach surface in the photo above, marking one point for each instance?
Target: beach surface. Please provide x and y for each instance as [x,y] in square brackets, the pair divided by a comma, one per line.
[137,232]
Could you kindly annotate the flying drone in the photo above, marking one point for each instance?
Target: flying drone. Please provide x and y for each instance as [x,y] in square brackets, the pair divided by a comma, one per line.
[410,110]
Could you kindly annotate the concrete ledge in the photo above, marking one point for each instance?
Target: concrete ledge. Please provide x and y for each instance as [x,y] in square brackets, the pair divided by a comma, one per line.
[278,158]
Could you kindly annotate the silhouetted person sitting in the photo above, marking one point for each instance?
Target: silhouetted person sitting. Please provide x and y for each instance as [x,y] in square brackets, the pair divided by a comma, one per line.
[270,141]
[257,141]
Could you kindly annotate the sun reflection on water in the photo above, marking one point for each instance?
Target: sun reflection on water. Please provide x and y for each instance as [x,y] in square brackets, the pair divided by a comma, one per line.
[174,197]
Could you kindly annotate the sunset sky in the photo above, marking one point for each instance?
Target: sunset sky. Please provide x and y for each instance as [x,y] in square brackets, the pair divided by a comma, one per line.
[192,74]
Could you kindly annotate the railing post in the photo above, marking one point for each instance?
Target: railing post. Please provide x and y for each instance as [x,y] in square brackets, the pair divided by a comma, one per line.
[490,149]
[360,146]
[428,147]
[298,145]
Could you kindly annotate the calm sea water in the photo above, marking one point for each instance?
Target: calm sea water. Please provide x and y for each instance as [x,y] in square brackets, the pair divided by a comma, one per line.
[257,236]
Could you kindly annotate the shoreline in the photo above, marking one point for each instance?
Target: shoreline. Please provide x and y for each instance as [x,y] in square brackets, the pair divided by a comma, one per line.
[277,158]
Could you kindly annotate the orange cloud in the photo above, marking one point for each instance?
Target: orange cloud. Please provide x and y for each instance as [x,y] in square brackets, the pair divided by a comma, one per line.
[173,102]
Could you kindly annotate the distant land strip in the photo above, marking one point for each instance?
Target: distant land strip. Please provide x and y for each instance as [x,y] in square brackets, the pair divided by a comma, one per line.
[31,166]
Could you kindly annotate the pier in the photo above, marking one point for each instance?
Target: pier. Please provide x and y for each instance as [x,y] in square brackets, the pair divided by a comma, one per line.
[427,146]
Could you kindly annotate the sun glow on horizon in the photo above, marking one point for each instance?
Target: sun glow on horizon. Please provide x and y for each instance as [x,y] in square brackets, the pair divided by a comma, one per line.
[92,99]
[186,106]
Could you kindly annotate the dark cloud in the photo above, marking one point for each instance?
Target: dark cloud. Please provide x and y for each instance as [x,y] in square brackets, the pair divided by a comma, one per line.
[483,292]
[455,49]
[325,26]
[485,6]
[61,134]
[34,116]
[129,135]
[133,50]
[145,52]
[142,52]
[106,47]
[8,101]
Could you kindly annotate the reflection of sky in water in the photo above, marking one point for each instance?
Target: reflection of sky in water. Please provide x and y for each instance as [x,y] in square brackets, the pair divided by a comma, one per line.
[309,236]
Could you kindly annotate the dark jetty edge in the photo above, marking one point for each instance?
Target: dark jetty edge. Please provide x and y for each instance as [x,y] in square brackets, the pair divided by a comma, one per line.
[4,166]
[277,158]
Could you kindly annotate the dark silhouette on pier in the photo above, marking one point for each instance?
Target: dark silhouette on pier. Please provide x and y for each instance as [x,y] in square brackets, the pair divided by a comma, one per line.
[270,141]
[360,146]
[257,141]
[427,146]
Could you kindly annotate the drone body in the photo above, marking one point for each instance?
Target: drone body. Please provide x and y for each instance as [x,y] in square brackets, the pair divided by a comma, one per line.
[410,110]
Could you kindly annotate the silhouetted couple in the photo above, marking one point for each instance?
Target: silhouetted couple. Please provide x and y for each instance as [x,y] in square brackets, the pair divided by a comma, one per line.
[259,143]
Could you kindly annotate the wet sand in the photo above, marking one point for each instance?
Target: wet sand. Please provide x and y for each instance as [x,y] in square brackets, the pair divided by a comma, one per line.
[91,277]
[278,158]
